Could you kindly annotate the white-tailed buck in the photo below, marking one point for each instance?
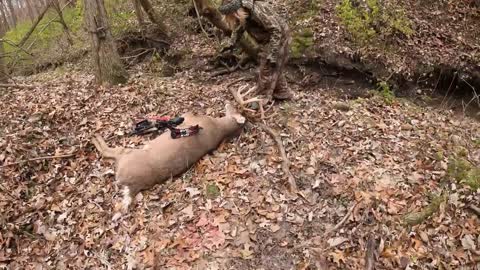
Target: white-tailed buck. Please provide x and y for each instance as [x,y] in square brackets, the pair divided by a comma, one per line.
[165,157]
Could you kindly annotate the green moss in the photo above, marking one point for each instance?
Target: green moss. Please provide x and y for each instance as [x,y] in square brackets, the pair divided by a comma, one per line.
[301,41]
[48,32]
[372,20]
[309,10]
[212,190]
[385,92]
[462,171]
[416,218]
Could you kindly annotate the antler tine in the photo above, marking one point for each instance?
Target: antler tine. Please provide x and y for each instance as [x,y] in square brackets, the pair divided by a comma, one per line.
[249,91]
[239,98]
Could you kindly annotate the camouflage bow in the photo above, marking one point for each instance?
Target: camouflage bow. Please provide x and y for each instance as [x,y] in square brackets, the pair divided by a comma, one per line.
[230,6]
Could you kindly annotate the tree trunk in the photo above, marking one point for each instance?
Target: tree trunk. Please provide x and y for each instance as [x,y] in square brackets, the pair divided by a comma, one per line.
[3,18]
[139,12]
[12,12]
[30,31]
[109,68]
[31,12]
[56,5]
[152,15]
[207,10]
[3,70]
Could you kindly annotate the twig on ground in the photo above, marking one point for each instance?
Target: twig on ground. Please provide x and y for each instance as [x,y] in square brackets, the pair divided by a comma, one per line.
[370,254]
[224,71]
[292,185]
[323,237]
[344,219]
[38,158]
[475,209]
[6,85]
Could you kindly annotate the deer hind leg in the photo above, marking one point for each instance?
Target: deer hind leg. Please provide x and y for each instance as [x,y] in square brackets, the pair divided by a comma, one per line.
[127,198]
[105,151]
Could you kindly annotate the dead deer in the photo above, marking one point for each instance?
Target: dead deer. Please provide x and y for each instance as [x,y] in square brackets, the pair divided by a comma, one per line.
[164,158]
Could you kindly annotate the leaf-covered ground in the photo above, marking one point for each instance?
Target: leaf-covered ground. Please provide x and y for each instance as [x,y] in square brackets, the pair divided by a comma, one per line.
[445,34]
[377,174]
[362,165]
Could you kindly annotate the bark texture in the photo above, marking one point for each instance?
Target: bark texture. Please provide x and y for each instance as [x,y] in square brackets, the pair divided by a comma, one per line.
[209,11]
[3,70]
[109,68]
[12,12]
[139,12]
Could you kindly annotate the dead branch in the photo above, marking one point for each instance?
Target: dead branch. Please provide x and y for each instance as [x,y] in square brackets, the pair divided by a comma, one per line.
[38,158]
[15,45]
[292,185]
[34,25]
[12,85]
[226,70]
[370,254]
[342,222]
[14,62]
[329,232]
[199,19]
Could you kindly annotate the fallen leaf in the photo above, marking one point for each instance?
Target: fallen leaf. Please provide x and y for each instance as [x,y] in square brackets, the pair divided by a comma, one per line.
[333,242]
[274,228]
[468,242]
[310,171]
[188,211]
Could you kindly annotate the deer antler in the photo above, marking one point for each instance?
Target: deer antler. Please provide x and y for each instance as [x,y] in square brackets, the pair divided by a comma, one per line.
[239,97]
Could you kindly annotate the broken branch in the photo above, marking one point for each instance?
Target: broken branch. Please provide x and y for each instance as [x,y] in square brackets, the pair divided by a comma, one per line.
[292,185]
[38,158]
[12,85]
[370,255]
[344,219]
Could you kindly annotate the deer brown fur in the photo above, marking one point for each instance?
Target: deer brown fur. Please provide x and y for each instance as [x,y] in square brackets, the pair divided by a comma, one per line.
[164,157]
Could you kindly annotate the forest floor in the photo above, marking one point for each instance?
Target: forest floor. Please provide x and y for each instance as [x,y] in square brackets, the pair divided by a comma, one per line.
[362,164]
[385,181]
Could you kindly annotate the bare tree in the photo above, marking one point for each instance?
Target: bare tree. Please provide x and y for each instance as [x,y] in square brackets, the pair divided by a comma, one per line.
[139,12]
[31,11]
[34,25]
[5,26]
[109,68]
[12,12]
[3,70]
[58,9]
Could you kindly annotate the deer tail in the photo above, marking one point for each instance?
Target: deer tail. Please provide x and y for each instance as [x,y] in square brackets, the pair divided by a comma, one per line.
[105,151]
